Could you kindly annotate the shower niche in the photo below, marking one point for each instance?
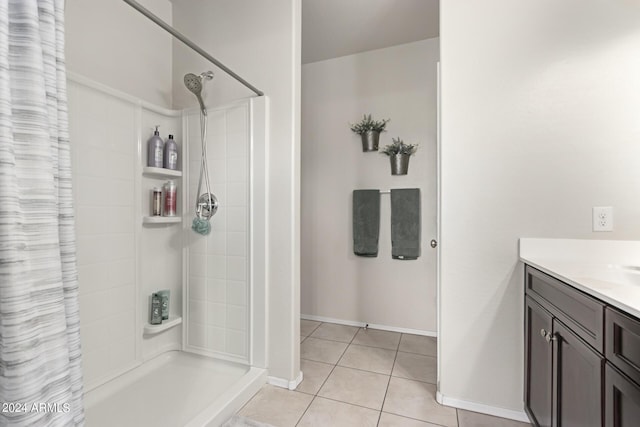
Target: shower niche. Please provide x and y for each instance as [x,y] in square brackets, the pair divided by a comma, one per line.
[160,241]
[159,176]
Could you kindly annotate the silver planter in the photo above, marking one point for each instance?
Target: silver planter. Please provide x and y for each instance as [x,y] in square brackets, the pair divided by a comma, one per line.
[370,140]
[399,164]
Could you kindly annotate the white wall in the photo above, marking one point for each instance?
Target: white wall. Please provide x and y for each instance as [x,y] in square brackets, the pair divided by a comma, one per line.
[261,42]
[112,43]
[540,122]
[398,83]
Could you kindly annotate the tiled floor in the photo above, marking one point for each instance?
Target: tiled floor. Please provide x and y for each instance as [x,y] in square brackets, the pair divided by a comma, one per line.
[358,378]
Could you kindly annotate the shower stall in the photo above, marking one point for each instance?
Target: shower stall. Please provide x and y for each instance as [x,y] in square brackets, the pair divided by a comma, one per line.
[209,357]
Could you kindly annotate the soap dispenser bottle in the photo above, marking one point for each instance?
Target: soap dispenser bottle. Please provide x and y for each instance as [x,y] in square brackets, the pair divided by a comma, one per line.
[171,154]
[154,154]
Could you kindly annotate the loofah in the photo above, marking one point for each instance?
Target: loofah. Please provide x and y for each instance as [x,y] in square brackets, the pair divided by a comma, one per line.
[201,226]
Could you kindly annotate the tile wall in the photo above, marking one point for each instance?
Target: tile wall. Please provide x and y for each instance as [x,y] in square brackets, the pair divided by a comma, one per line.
[218,263]
[103,136]
[120,261]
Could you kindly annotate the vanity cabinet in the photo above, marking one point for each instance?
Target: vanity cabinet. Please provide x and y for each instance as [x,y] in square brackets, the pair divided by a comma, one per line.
[563,374]
[578,380]
[582,357]
[622,372]
[564,361]
[538,364]
[622,399]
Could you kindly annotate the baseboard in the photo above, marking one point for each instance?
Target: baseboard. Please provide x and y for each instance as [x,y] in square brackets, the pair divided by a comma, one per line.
[283,383]
[482,408]
[371,325]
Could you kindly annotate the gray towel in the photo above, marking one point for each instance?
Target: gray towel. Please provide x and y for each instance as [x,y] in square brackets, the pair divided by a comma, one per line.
[366,222]
[405,223]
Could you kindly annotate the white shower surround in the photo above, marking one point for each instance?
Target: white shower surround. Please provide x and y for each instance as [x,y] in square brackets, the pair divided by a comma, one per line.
[217,265]
[98,107]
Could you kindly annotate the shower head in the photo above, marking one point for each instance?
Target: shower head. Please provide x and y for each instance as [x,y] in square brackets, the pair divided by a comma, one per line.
[194,84]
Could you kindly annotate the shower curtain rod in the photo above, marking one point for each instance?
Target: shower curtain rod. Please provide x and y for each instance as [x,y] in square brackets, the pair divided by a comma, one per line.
[191,44]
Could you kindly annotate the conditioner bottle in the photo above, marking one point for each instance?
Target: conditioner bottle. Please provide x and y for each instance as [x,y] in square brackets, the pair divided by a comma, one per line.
[154,153]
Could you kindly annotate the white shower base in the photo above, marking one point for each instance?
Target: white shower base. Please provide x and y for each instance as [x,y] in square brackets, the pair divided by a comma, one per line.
[174,389]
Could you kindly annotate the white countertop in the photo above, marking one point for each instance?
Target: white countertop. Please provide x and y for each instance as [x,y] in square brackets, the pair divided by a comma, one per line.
[605,269]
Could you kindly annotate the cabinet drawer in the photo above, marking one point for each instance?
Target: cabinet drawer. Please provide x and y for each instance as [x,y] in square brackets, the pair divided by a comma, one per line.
[622,346]
[582,313]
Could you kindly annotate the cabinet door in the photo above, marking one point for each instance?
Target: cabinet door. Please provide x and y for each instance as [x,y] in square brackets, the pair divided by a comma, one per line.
[538,364]
[622,399]
[578,369]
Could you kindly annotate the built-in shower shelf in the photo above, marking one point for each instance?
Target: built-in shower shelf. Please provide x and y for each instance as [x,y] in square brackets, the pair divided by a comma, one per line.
[161,172]
[161,219]
[150,329]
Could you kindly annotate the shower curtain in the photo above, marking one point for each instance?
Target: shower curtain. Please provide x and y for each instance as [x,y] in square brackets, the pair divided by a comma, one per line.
[40,372]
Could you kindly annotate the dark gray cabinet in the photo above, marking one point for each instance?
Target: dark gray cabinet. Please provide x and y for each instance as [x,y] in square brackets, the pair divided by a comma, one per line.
[622,372]
[623,343]
[578,380]
[622,404]
[563,371]
[582,358]
[538,364]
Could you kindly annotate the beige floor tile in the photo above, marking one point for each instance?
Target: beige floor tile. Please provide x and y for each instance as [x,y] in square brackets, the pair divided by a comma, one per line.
[356,387]
[277,406]
[390,420]
[415,367]
[325,413]
[331,331]
[372,359]
[308,326]
[418,344]
[375,338]
[415,399]
[314,375]
[302,338]
[474,419]
[322,350]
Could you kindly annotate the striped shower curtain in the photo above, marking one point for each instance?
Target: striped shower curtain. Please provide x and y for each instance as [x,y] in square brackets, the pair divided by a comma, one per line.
[40,372]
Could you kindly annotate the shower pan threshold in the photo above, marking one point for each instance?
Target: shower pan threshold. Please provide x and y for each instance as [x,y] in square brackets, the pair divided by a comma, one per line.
[174,389]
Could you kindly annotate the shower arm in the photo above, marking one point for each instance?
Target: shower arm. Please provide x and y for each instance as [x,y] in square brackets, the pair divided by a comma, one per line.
[146,12]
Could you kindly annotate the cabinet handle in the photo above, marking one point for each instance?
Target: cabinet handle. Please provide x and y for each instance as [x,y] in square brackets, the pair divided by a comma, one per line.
[548,336]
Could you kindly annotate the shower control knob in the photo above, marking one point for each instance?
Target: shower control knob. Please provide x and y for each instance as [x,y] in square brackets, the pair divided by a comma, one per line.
[434,243]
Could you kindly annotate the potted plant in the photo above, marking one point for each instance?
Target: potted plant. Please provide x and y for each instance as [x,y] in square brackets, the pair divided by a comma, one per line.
[369,130]
[399,154]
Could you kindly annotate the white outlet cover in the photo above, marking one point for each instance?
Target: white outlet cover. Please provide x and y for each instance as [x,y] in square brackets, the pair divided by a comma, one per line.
[602,218]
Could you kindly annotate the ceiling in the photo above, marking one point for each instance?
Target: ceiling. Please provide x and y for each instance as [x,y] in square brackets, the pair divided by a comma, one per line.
[333,28]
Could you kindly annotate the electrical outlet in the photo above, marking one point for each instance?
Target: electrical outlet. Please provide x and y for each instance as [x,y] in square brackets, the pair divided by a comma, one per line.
[602,218]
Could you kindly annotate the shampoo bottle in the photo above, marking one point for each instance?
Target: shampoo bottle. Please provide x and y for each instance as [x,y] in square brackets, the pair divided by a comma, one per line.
[154,154]
[156,309]
[164,302]
[170,201]
[171,154]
